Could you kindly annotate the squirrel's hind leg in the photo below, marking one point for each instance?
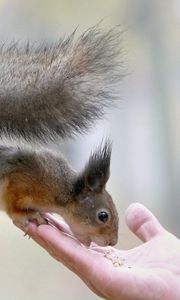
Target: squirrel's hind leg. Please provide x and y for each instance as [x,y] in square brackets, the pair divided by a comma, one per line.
[21,203]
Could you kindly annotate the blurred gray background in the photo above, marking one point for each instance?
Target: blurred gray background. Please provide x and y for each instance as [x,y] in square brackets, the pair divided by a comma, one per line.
[144,129]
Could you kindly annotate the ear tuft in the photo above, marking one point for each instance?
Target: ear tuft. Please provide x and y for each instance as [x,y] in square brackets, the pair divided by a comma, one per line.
[97,171]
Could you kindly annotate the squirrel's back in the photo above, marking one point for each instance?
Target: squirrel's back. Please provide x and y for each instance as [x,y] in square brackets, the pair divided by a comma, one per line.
[59,89]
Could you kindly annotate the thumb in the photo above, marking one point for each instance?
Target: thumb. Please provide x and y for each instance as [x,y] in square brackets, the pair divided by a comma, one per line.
[142,222]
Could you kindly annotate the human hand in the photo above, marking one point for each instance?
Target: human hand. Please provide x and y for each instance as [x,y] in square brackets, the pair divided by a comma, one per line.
[148,272]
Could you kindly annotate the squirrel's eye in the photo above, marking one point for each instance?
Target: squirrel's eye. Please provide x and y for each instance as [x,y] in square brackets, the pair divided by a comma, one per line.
[103,216]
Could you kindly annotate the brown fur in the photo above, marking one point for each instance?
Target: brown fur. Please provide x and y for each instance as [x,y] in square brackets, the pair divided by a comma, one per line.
[59,90]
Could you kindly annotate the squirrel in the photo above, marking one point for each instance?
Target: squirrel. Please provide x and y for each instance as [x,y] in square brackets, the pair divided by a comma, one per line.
[55,91]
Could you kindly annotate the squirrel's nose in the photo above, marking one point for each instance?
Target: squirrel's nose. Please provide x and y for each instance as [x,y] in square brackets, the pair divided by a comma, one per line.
[113,241]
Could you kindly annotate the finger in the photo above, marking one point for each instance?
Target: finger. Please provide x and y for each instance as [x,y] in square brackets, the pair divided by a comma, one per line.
[63,258]
[61,246]
[52,221]
[32,229]
[65,248]
[59,224]
[70,252]
[142,222]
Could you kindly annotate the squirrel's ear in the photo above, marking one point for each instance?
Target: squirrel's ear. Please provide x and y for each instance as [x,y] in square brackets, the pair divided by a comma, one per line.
[96,172]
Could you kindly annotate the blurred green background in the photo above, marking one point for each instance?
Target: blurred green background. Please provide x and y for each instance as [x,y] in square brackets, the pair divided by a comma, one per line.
[145,128]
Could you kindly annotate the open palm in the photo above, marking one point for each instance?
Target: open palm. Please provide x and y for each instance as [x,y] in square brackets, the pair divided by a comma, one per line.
[149,271]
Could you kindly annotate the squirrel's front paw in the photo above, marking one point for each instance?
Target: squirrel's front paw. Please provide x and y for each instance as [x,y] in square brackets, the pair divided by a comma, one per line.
[22,220]
[37,218]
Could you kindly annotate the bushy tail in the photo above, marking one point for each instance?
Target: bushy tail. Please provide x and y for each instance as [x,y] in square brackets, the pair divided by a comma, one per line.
[59,89]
